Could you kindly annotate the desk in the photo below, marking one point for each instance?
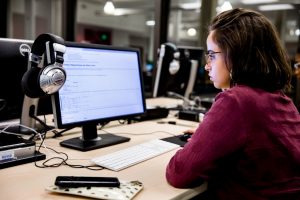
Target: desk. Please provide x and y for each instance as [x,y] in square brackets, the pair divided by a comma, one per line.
[29,182]
[164,102]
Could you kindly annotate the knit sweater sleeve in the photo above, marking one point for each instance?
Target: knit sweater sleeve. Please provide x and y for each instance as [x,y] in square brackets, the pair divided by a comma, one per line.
[219,134]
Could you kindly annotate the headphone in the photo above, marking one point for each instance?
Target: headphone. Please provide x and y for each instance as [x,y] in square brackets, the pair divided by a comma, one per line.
[171,55]
[40,81]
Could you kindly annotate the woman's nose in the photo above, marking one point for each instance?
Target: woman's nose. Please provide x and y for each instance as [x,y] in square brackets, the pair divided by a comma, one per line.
[207,67]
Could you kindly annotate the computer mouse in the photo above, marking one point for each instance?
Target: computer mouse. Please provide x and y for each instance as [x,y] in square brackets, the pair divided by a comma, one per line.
[184,137]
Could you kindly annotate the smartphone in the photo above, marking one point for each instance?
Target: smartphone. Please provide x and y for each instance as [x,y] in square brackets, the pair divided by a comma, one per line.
[84,181]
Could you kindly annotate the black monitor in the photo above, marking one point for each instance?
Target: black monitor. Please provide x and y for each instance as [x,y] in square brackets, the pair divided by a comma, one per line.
[176,69]
[104,83]
[13,65]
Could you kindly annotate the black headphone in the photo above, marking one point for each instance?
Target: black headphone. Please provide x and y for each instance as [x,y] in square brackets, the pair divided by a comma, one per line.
[172,56]
[37,81]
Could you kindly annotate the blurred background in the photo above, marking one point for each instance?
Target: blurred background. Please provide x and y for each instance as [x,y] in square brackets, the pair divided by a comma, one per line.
[142,24]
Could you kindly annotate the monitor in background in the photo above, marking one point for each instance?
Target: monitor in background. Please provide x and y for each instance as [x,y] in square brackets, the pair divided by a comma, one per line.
[176,69]
[103,83]
[13,65]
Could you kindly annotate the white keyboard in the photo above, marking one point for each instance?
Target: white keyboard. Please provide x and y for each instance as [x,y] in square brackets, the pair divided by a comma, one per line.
[133,155]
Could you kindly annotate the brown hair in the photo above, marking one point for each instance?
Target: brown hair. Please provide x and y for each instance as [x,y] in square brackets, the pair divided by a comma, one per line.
[252,49]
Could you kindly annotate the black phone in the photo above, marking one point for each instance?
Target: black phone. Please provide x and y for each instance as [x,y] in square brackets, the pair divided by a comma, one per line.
[84,181]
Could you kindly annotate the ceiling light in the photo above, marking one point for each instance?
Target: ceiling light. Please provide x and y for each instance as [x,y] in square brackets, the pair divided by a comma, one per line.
[248,2]
[226,6]
[109,8]
[125,11]
[150,23]
[190,6]
[273,7]
[191,32]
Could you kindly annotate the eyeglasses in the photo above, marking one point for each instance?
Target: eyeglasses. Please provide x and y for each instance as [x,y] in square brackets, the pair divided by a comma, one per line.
[210,55]
[297,65]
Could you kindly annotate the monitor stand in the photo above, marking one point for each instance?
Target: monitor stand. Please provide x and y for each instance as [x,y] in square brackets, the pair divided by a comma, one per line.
[90,140]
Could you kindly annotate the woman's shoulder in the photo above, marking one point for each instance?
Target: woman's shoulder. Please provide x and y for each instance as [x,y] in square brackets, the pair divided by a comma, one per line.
[242,93]
[244,90]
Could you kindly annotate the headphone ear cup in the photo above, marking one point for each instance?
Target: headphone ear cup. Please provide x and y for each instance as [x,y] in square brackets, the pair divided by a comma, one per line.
[174,67]
[30,83]
[51,78]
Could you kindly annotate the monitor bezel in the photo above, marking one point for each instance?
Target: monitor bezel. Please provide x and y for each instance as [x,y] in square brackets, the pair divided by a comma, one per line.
[13,65]
[56,99]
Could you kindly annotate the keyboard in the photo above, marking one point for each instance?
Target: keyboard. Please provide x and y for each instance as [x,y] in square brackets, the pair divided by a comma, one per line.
[133,155]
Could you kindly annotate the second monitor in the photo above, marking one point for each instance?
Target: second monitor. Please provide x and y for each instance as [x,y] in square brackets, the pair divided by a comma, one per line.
[176,69]
[103,83]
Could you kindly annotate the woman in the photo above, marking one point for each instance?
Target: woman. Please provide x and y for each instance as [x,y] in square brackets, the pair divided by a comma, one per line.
[248,145]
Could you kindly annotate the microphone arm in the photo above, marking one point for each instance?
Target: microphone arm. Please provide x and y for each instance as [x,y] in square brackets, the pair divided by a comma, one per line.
[186,102]
[189,104]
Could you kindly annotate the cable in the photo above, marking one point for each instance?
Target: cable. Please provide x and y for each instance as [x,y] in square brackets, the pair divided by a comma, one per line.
[63,161]
[122,122]
[103,124]
[41,135]
[193,105]
[186,102]
[140,133]
[59,161]
[59,133]
[47,128]
[18,134]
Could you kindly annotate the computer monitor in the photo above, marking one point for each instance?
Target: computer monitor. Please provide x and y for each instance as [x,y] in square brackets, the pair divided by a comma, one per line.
[176,69]
[13,65]
[104,83]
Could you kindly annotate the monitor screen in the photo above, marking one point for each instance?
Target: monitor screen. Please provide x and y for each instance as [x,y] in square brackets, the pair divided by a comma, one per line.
[13,65]
[103,83]
[176,70]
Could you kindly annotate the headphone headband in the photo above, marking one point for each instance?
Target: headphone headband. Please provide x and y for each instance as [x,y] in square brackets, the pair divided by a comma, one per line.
[49,43]
[39,44]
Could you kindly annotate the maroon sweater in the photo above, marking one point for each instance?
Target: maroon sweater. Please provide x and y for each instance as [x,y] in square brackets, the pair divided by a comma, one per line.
[247,147]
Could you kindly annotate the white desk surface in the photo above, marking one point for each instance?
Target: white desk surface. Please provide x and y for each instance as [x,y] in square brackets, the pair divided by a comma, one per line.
[29,182]
[164,102]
